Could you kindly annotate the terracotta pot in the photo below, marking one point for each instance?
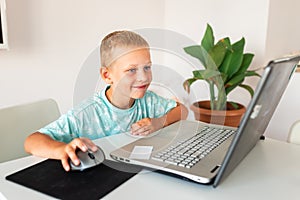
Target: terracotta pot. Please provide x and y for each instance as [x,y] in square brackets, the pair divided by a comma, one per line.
[229,117]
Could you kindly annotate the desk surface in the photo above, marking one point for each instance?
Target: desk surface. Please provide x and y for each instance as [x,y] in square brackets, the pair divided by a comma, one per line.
[270,171]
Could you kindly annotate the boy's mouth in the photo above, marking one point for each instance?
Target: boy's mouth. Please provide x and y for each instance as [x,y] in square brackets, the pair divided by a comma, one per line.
[141,86]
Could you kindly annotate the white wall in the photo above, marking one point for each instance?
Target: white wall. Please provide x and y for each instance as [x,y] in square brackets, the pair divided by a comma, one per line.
[283,28]
[50,40]
[283,37]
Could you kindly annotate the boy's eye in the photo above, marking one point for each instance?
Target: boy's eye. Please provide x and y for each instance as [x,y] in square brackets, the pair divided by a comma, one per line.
[132,70]
[147,68]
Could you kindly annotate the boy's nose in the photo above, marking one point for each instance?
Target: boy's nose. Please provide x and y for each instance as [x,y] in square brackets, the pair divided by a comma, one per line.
[142,76]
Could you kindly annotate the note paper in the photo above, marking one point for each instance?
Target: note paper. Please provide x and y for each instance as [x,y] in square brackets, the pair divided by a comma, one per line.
[141,152]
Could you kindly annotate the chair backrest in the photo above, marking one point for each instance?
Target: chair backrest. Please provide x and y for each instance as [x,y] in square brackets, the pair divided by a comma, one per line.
[294,133]
[17,122]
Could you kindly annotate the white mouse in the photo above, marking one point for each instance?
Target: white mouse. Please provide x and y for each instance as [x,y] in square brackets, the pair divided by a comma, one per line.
[88,159]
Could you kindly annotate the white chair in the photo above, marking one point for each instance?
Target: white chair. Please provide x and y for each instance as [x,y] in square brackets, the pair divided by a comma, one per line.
[17,122]
[294,133]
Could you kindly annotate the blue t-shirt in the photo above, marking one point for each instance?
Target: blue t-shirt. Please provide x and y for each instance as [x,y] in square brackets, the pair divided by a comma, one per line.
[96,117]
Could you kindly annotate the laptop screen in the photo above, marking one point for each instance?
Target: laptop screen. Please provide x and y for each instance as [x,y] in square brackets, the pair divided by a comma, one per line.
[271,87]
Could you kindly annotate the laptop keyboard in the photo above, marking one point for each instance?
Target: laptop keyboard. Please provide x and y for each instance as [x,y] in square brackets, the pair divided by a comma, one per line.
[190,151]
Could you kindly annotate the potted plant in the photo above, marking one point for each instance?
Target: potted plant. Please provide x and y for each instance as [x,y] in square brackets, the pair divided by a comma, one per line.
[225,68]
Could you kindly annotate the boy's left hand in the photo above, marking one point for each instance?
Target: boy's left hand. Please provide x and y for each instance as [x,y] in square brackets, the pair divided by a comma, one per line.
[146,126]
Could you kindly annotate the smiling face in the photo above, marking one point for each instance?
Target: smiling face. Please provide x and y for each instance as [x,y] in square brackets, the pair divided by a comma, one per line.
[129,76]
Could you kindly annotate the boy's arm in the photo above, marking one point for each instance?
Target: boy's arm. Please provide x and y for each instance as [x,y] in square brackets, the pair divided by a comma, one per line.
[40,144]
[147,125]
[180,112]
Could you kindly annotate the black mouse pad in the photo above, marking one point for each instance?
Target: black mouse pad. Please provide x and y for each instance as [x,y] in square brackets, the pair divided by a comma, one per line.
[49,177]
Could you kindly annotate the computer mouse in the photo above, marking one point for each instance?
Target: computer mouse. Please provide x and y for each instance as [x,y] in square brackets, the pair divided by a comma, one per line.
[88,159]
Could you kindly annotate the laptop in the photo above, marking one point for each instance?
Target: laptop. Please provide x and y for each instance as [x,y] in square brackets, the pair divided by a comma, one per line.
[208,153]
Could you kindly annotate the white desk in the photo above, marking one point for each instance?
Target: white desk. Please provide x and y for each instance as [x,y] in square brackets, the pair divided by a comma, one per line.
[270,171]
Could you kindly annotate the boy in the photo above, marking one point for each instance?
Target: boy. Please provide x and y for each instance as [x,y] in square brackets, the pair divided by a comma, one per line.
[124,105]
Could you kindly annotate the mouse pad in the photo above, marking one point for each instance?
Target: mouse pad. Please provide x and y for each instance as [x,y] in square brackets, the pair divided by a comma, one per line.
[49,177]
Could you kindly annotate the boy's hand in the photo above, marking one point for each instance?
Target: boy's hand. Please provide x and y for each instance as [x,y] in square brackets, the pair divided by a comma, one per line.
[69,151]
[146,126]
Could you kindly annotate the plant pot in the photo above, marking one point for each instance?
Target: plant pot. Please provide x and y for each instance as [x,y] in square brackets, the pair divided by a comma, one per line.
[229,117]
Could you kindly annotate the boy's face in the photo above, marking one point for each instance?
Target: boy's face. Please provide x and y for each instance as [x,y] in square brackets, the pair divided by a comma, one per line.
[130,75]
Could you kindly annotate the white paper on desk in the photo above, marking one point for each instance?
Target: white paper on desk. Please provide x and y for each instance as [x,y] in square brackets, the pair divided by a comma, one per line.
[141,152]
[2,197]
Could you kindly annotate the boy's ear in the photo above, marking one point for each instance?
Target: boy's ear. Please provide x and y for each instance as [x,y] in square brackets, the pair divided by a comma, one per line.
[105,75]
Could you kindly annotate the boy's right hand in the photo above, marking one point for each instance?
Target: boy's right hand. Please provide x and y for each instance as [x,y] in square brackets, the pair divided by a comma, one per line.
[68,151]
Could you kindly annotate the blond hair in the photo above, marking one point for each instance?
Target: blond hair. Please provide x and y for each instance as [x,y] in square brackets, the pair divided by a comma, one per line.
[117,40]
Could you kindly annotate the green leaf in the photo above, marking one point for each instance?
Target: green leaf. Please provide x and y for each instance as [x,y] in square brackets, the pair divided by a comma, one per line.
[226,61]
[187,84]
[252,73]
[208,39]
[236,58]
[224,77]
[235,80]
[227,43]
[234,105]
[230,88]
[205,74]
[247,59]
[198,52]
[217,54]
[248,88]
